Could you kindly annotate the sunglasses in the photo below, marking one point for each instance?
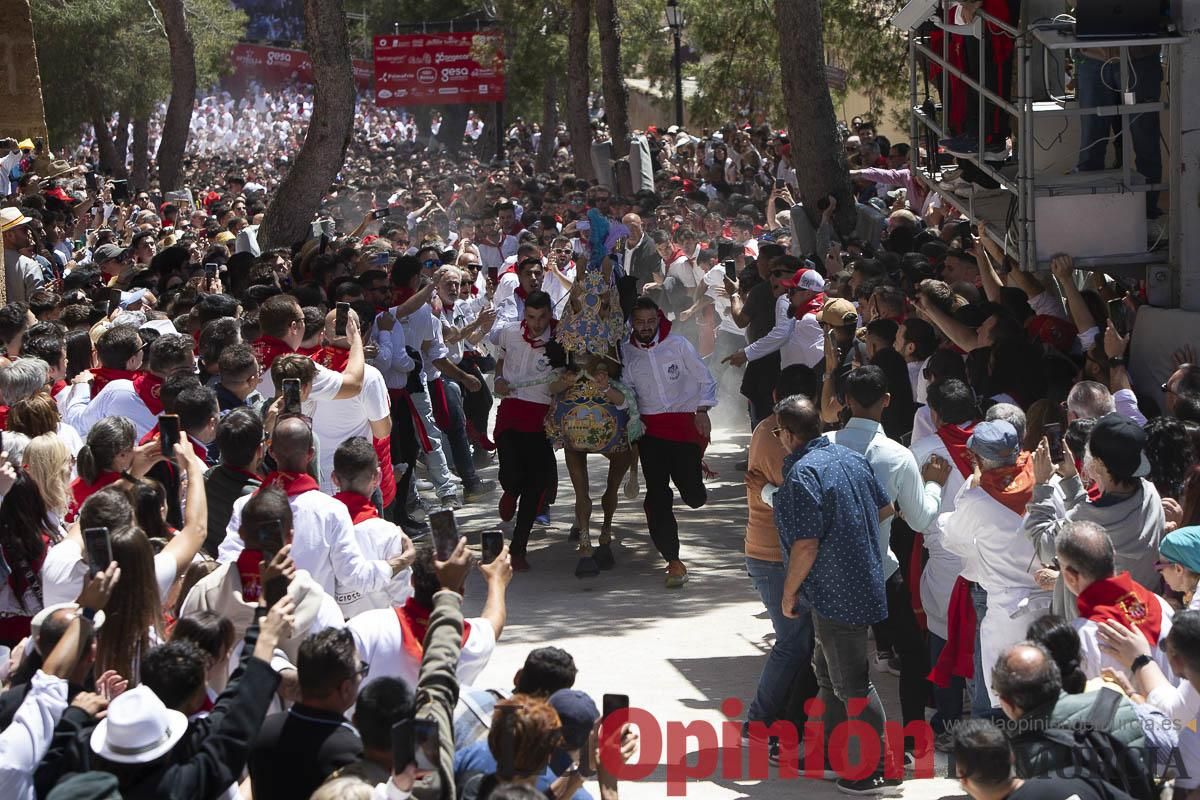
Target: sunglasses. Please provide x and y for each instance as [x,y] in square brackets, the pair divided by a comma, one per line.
[1159,566]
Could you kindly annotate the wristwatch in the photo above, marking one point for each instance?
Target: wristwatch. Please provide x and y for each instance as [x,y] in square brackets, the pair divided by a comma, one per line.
[1138,663]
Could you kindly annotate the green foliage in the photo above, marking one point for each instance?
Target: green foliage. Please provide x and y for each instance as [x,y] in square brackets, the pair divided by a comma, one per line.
[98,56]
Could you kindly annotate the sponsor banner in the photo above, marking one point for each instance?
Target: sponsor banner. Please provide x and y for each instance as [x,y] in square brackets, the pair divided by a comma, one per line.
[439,68]
[276,67]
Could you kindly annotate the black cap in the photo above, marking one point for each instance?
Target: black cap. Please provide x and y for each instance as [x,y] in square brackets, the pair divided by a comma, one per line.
[1120,444]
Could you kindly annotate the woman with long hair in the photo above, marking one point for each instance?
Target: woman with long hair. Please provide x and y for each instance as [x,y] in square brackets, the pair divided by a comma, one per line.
[108,452]
[81,353]
[897,417]
[25,535]
[1169,451]
[48,462]
[215,635]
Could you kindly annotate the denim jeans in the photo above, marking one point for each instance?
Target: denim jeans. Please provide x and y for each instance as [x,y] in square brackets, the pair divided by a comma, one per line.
[1098,83]
[981,704]
[456,436]
[793,646]
[840,663]
[435,459]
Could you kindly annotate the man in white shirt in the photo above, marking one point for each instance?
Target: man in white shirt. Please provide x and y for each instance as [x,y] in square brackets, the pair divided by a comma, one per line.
[524,378]
[494,245]
[915,488]
[323,540]
[135,398]
[356,475]
[985,531]
[281,321]
[797,333]
[511,311]
[674,392]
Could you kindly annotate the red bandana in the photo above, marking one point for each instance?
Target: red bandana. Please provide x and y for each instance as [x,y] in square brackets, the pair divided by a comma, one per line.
[333,358]
[102,376]
[535,342]
[148,387]
[360,506]
[57,387]
[955,438]
[4,417]
[521,293]
[292,483]
[1012,486]
[664,330]
[268,348]
[311,352]
[811,307]
[81,490]
[1122,600]
[414,622]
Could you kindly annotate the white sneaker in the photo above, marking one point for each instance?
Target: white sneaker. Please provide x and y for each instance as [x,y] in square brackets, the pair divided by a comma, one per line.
[424,485]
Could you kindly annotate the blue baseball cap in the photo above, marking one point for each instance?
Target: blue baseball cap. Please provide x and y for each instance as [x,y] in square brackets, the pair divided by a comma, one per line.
[995,440]
[578,716]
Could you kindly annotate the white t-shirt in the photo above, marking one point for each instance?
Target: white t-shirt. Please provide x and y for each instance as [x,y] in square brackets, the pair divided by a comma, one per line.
[325,386]
[380,641]
[715,279]
[64,572]
[335,421]
[378,539]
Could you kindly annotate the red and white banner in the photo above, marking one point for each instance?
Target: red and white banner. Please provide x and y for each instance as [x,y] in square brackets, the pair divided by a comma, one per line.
[439,68]
[276,67]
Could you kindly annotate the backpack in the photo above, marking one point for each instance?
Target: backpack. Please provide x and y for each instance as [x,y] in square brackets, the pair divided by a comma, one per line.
[1096,753]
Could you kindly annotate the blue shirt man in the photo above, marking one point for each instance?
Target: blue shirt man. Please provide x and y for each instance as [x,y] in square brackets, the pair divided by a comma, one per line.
[831,496]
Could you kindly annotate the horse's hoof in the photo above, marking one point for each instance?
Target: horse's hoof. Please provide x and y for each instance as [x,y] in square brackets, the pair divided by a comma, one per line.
[573,536]
[587,568]
[603,556]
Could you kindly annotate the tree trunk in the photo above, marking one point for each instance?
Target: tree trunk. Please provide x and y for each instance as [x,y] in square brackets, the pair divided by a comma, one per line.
[616,98]
[816,148]
[109,163]
[454,125]
[178,121]
[545,153]
[324,150]
[577,88]
[139,179]
[121,137]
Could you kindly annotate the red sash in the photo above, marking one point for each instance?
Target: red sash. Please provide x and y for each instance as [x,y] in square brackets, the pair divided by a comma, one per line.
[148,387]
[1122,600]
[674,426]
[955,439]
[81,490]
[102,376]
[387,475]
[268,348]
[360,506]
[957,659]
[1012,486]
[292,483]
[439,403]
[523,416]
[414,622]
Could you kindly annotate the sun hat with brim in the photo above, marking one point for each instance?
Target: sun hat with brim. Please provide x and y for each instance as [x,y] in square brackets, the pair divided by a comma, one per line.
[11,217]
[138,728]
[87,786]
[1182,546]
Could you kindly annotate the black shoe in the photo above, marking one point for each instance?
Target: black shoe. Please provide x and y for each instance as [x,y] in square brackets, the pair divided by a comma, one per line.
[604,556]
[874,785]
[416,529]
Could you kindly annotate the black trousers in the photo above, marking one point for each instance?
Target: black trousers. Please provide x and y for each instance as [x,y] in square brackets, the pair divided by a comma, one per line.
[477,405]
[664,462]
[912,648]
[404,447]
[758,386]
[527,470]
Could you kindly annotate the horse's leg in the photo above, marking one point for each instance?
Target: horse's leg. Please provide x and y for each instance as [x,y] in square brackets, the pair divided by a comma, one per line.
[577,469]
[618,466]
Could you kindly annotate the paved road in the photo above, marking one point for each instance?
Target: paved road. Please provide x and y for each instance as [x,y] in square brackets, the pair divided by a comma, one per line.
[677,653]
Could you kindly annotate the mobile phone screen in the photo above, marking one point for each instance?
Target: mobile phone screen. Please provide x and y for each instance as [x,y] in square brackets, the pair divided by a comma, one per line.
[730,269]
[291,396]
[425,741]
[114,298]
[445,533]
[403,745]
[341,318]
[1117,313]
[168,433]
[615,702]
[493,543]
[380,213]
[211,269]
[493,274]
[1053,433]
[98,545]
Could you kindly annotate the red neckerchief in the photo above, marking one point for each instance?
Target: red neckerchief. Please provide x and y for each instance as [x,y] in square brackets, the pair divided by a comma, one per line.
[196,342]
[811,307]
[268,348]
[533,342]
[474,290]
[955,438]
[57,387]
[249,571]
[333,358]
[401,294]
[414,622]
[1012,486]
[511,269]
[664,330]
[102,376]
[4,417]
[311,352]
[292,483]
[359,505]
[676,254]
[1120,599]
[521,293]
[148,387]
